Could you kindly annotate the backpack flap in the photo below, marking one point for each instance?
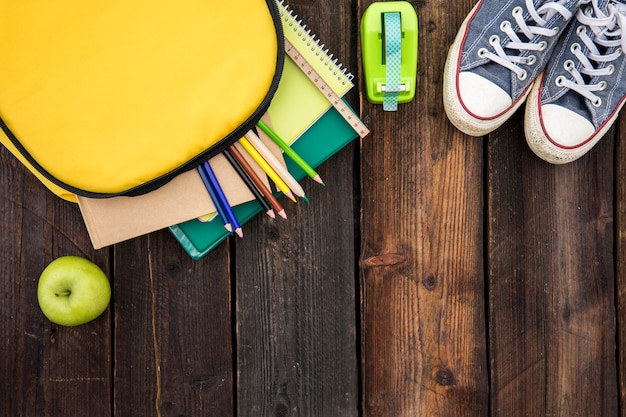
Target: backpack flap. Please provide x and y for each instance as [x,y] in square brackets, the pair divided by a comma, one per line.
[116,98]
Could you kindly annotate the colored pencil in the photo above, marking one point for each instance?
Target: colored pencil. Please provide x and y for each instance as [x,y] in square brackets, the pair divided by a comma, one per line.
[290,152]
[280,184]
[280,169]
[218,207]
[246,179]
[213,181]
[278,208]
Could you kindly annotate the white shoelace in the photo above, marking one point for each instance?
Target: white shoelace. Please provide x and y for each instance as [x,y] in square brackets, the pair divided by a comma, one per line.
[540,17]
[607,30]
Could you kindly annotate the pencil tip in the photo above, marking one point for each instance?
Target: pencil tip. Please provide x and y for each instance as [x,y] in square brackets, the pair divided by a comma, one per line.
[305,198]
[291,197]
[271,214]
[239,232]
[229,228]
[282,214]
[318,179]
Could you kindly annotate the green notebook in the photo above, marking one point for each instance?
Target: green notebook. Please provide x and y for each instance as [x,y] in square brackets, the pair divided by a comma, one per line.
[323,139]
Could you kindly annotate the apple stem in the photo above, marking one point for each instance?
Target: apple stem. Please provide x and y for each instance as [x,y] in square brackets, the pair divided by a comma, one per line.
[65,293]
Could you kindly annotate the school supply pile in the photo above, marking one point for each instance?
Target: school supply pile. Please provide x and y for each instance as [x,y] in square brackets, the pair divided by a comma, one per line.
[229,174]
[317,126]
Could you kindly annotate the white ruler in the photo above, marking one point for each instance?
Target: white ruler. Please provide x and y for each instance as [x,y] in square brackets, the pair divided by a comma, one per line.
[328,92]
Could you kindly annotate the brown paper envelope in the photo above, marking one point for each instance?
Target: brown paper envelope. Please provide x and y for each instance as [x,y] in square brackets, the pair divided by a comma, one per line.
[113,220]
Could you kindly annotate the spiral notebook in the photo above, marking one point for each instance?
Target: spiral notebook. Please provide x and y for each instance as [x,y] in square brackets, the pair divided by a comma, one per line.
[300,114]
[298,103]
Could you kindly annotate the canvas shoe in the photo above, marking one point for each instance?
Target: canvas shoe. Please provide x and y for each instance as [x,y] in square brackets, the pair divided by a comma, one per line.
[498,52]
[582,91]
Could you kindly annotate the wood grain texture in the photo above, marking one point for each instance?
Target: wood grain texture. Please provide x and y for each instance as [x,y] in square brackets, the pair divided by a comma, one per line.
[422,284]
[551,273]
[173,351]
[620,253]
[48,369]
[296,346]
[435,275]
[296,306]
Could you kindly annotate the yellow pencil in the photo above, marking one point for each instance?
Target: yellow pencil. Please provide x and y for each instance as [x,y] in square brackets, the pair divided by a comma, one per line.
[280,169]
[280,184]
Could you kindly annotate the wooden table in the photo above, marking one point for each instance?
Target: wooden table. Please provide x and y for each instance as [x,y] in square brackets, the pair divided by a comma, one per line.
[435,275]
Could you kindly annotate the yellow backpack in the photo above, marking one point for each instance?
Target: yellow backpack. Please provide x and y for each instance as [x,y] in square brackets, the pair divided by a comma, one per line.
[116,98]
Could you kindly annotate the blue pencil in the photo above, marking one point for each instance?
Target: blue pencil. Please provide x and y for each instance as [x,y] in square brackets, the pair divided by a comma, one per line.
[220,210]
[222,198]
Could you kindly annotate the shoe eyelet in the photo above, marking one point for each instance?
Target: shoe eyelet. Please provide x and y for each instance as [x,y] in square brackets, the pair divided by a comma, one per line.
[580,30]
[568,65]
[560,80]
[602,85]
[494,39]
[505,25]
[611,69]
[543,45]
[482,52]
[517,10]
[597,102]
[556,30]
[522,75]
[575,48]
[530,60]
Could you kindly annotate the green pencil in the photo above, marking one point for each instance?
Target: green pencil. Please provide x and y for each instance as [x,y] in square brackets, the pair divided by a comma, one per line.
[290,152]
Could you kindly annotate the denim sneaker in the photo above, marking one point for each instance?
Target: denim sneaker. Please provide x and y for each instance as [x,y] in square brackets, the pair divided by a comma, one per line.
[577,99]
[498,52]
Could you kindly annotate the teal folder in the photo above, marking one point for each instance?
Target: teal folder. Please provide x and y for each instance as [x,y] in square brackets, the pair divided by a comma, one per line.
[324,138]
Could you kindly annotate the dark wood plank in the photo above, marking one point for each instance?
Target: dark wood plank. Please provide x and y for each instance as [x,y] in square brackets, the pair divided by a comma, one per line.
[620,252]
[170,345]
[48,369]
[551,272]
[296,346]
[422,285]
[296,326]
[173,350]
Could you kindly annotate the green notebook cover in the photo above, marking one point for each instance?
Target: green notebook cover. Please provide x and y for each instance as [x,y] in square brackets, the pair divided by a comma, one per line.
[323,139]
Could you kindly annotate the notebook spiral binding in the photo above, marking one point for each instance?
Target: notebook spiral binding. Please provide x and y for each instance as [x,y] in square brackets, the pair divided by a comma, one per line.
[313,43]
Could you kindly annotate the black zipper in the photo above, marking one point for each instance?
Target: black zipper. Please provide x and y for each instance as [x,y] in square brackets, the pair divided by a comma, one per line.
[214,150]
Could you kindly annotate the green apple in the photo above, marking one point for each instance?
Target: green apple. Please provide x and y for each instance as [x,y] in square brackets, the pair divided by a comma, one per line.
[72,291]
